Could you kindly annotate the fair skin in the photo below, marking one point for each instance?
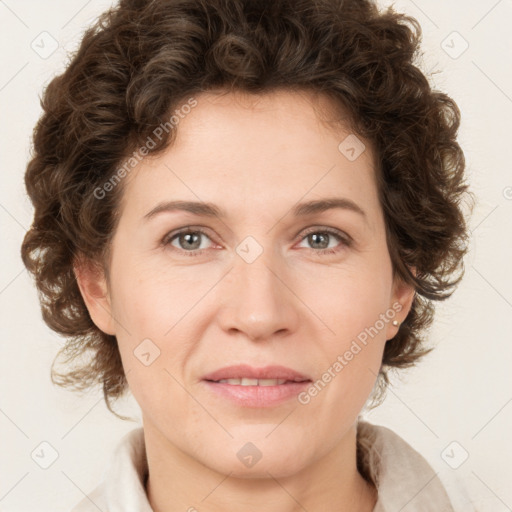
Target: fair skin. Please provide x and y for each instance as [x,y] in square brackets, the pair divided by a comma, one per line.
[255,158]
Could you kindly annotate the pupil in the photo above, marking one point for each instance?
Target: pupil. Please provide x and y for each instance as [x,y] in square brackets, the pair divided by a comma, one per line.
[315,237]
[188,236]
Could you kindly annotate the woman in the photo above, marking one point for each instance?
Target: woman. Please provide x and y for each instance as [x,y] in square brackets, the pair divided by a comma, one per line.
[244,211]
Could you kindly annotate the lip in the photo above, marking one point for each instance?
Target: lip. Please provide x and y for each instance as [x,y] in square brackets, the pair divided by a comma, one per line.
[267,372]
[256,396]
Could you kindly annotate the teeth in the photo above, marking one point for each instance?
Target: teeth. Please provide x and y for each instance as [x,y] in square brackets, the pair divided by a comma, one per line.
[270,382]
[249,382]
[254,382]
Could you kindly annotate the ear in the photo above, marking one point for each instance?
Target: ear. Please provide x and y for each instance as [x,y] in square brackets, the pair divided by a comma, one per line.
[401,302]
[93,287]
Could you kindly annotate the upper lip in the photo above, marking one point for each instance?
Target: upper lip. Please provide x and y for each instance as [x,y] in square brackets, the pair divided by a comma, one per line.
[250,372]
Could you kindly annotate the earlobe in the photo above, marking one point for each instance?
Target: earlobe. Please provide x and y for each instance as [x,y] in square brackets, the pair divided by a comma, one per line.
[401,303]
[93,287]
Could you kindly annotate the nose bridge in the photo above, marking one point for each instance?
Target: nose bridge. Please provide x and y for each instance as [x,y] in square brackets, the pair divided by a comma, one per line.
[259,303]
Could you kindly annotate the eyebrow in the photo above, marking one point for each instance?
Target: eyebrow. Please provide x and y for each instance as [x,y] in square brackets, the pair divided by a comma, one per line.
[211,210]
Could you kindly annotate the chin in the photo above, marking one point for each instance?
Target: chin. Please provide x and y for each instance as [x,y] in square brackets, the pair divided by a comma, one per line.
[275,466]
[255,456]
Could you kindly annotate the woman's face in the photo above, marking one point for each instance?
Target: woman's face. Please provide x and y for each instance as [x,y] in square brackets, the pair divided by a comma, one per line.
[268,282]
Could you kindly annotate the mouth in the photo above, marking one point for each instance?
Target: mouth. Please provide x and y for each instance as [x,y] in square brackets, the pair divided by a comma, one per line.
[246,386]
[247,375]
[245,381]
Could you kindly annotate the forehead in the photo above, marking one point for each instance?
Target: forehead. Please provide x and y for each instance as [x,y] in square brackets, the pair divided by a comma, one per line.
[263,113]
[278,146]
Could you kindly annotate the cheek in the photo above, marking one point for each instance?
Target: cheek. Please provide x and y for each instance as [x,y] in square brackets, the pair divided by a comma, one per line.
[144,300]
[347,300]
[153,369]
[351,306]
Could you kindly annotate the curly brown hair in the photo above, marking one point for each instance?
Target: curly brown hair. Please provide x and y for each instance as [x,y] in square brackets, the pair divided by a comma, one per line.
[141,59]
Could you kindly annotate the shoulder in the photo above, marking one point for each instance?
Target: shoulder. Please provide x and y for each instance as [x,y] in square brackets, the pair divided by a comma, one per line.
[92,502]
[403,477]
[121,485]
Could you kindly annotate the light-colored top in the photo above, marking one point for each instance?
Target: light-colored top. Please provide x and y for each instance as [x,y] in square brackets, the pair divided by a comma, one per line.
[405,481]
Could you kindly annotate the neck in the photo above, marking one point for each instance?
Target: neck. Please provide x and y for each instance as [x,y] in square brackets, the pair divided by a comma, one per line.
[179,482]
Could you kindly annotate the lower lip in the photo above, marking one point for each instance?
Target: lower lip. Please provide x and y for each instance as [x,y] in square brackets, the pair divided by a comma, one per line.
[257,396]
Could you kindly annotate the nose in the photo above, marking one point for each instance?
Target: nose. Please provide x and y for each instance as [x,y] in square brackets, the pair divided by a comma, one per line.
[258,299]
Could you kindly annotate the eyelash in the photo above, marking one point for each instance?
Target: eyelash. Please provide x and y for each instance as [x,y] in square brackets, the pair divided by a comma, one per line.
[345,239]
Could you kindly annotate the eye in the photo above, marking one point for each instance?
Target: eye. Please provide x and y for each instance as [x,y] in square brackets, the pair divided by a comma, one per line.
[188,240]
[321,238]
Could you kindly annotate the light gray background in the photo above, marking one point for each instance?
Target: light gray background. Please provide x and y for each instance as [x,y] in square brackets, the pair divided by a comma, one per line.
[462,392]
